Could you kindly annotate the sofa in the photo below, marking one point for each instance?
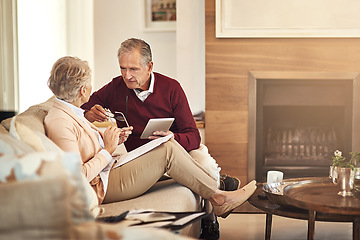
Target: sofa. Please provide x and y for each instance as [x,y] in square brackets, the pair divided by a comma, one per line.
[42,198]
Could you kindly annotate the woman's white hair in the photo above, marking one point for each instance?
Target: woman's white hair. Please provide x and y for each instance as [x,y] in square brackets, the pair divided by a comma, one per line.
[67,76]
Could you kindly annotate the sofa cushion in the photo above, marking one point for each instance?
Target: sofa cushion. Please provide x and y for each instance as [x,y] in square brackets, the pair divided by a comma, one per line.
[33,117]
[36,140]
[3,130]
[11,145]
[39,200]
[40,143]
[25,134]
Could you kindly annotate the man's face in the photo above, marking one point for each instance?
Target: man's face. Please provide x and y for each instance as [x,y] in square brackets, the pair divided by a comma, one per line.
[134,74]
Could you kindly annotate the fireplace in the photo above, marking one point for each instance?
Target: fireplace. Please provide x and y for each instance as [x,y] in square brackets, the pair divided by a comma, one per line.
[298,119]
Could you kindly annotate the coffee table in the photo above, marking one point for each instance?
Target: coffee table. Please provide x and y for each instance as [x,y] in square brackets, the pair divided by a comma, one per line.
[271,208]
[321,196]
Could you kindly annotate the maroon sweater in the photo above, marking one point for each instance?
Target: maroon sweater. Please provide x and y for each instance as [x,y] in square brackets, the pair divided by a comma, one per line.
[167,100]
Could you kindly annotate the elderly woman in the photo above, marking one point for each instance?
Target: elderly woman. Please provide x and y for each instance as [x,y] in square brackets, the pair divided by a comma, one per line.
[70,81]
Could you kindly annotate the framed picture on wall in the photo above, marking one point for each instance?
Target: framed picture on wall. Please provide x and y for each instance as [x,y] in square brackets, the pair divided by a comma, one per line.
[159,15]
[287,18]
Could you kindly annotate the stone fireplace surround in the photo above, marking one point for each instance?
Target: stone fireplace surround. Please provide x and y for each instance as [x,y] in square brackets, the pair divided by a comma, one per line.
[327,103]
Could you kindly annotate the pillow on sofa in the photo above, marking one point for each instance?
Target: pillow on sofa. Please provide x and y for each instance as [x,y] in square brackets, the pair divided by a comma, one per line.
[25,134]
[36,140]
[33,117]
[37,198]
[10,145]
[3,130]
[40,143]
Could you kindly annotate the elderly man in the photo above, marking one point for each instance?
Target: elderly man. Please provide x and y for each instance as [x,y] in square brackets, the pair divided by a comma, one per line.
[142,94]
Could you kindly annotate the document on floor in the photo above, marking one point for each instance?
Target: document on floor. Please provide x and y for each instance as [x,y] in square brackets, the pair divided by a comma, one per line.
[141,150]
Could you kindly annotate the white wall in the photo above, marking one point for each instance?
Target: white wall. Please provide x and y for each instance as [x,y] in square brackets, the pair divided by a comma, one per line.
[48,30]
[118,20]
[40,44]
[179,54]
[190,31]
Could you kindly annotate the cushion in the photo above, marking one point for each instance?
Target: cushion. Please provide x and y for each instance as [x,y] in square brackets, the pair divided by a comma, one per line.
[25,134]
[11,145]
[3,130]
[40,201]
[36,140]
[40,143]
[33,117]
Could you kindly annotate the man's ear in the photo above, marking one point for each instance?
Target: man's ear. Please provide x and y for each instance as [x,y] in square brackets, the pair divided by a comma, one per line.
[150,66]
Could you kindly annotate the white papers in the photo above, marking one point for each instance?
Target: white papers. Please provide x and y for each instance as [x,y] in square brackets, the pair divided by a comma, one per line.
[150,216]
[158,224]
[141,150]
[184,220]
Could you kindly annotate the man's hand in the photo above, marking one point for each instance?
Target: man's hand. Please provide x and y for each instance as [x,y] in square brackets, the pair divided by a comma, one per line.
[96,113]
[159,134]
[124,134]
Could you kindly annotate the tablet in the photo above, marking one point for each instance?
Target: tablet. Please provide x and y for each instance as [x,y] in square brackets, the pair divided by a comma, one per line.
[156,124]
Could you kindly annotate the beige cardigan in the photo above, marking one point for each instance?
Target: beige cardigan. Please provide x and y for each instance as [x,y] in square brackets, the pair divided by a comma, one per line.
[71,134]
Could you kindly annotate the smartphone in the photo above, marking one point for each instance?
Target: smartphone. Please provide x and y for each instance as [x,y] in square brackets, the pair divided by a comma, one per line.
[121,120]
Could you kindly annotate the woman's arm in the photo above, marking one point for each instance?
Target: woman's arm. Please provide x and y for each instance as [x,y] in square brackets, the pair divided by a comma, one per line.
[71,137]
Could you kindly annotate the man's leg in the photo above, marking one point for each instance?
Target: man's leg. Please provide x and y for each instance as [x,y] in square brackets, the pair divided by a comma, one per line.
[202,156]
[210,225]
[225,182]
[137,176]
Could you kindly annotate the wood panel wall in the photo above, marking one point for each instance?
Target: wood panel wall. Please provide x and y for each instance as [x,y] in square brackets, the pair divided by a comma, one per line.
[228,62]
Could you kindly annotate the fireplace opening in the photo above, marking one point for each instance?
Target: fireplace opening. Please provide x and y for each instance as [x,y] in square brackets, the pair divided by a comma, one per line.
[301,136]
[298,120]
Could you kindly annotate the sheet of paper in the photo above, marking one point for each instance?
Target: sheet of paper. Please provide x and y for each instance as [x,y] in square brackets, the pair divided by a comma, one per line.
[184,220]
[153,224]
[141,150]
[150,216]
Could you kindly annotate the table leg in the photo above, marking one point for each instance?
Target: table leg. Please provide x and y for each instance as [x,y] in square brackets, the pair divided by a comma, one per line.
[356,229]
[311,225]
[268,226]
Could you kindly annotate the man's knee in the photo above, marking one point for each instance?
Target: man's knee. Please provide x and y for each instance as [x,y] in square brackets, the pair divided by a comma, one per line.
[202,156]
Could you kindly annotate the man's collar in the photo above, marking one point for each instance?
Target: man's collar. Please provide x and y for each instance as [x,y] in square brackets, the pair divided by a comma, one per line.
[151,85]
[142,95]
[152,80]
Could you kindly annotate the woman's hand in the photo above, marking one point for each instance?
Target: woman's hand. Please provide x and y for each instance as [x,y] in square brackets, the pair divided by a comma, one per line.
[111,138]
[125,132]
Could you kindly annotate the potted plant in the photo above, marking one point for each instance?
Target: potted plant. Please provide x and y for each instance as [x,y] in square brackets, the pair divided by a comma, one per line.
[339,161]
[342,172]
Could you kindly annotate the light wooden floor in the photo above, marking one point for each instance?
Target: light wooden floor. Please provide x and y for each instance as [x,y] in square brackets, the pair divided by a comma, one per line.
[252,227]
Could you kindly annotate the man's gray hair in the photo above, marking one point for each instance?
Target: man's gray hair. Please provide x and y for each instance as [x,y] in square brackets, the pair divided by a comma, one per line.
[67,76]
[133,43]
